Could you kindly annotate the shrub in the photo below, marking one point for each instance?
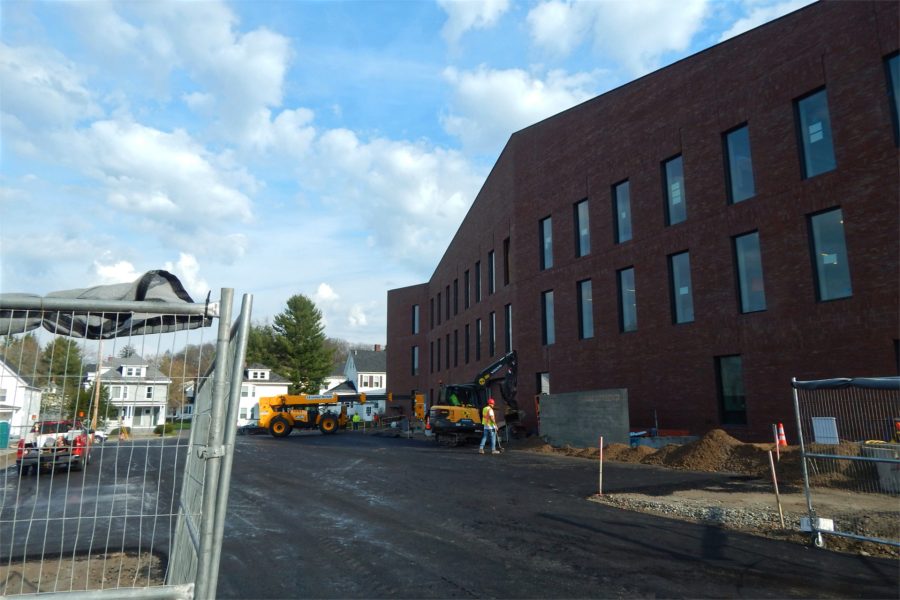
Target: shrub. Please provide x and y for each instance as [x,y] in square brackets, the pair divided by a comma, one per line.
[117,431]
[164,429]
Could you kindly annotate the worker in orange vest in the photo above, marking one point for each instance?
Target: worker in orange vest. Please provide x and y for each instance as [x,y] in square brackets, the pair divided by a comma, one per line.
[490,427]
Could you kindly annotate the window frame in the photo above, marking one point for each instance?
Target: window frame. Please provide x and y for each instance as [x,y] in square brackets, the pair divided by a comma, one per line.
[744,278]
[674,282]
[730,166]
[545,237]
[620,285]
[548,319]
[801,139]
[815,252]
[616,211]
[724,415]
[667,191]
[585,313]
[582,230]
[491,274]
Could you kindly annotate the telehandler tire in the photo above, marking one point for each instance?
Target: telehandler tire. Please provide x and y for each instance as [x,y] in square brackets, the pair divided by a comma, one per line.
[279,427]
[328,424]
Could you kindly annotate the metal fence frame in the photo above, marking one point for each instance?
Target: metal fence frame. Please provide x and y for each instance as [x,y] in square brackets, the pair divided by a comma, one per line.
[865,409]
[196,544]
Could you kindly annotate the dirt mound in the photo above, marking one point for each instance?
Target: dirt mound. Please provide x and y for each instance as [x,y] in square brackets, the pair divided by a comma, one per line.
[624,453]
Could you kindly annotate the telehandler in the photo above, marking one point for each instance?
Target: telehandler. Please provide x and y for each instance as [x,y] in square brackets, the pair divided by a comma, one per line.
[327,413]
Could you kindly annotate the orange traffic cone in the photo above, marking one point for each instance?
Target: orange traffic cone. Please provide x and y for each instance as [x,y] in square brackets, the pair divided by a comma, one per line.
[782,440]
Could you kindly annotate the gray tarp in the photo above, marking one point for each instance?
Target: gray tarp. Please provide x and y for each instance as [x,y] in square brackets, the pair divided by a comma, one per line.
[92,312]
[876,383]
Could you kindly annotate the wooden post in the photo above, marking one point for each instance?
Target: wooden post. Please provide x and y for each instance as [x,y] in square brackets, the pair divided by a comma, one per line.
[775,482]
[600,481]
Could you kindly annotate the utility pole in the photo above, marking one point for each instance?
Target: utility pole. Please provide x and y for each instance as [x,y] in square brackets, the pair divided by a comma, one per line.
[97,386]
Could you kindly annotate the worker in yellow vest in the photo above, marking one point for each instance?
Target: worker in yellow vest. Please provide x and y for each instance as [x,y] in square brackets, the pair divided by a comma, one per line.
[490,427]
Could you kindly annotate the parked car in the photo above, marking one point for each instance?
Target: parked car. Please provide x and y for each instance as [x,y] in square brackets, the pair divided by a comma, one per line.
[251,428]
[52,444]
[100,437]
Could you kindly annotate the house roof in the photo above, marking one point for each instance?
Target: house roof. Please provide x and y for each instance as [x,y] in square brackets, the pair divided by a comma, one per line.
[369,361]
[114,364]
[28,381]
[343,388]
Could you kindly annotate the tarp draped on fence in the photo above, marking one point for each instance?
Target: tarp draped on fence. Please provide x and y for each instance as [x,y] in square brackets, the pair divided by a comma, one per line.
[151,287]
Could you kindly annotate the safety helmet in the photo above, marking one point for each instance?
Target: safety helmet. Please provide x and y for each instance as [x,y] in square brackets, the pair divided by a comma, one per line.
[490,400]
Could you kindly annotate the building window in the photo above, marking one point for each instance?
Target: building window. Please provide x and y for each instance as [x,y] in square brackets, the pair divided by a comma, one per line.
[148,393]
[431,313]
[492,334]
[506,261]
[750,273]
[548,329]
[477,281]
[447,351]
[466,289]
[585,310]
[676,200]
[892,65]
[582,229]
[816,143]
[543,383]
[119,392]
[431,357]
[415,360]
[492,282]
[730,379]
[447,298]
[622,209]
[682,295]
[438,305]
[456,347]
[739,171]
[438,356]
[415,318]
[478,332]
[546,237]
[466,350]
[455,297]
[627,300]
[829,251]
[245,391]
[507,326]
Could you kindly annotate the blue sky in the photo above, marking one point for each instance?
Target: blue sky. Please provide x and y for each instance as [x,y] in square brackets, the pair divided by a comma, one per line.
[323,148]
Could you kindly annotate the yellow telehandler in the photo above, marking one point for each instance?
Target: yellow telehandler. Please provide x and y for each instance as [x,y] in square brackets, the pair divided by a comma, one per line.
[327,413]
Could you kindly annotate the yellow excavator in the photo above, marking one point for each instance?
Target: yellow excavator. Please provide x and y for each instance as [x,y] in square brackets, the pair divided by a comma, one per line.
[327,413]
[456,417]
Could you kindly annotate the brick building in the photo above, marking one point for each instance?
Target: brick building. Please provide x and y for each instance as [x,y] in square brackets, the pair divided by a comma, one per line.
[698,236]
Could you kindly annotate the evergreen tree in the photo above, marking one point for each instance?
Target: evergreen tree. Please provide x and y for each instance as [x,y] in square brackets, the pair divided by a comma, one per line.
[300,349]
[60,374]
[22,354]
[261,346]
[127,352]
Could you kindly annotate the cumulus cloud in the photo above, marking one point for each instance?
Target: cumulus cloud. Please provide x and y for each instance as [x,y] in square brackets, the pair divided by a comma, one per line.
[489,105]
[118,272]
[187,270]
[463,15]
[356,317]
[635,34]
[325,294]
[757,14]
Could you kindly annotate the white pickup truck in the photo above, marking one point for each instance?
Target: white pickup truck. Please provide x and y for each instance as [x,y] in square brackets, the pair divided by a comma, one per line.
[52,444]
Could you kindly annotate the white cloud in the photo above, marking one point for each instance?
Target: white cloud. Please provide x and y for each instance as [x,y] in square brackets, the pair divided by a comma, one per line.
[356,316]
[490,105]
[118,272]
[463,15]
[762,13]
[187,270]
[325,294]
[636,34]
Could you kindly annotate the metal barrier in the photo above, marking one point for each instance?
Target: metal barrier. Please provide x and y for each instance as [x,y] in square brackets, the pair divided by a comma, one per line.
[142,514]
[849,434]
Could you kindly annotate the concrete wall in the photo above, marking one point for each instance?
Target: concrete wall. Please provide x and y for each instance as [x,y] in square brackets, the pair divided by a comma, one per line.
[580,418]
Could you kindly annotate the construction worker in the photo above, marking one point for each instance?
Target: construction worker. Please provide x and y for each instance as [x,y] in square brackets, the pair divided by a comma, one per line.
[356,420]
[490,427]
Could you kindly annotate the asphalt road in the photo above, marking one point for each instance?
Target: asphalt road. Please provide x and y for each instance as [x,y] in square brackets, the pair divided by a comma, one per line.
[363,516]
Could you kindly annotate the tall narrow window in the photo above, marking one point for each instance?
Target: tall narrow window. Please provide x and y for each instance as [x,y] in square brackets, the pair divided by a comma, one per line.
[492,334]
[739,171]
[477,281]
[892,65]
[447,352]
[682,295]
[431,357]
[447,297]
[455,297]
[415,318]
[582,229]
[676,200]
[466,349]
[730,379]
[832,268]
[478,332]
[750,273]
[627,300]
[548,329]
[506,261]
[431,313]
[585,310]
[456,347]
[507,326]
[816,144]
[546,237]
[543,383]
[438,306]
[466,289]
[438,357]
[622,211]
[492,282]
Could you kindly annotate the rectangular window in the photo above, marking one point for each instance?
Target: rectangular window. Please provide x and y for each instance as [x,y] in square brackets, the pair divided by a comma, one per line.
[438,306]
[892,65]
[676,199]
[456,347]
[627,300]
[466,350]
[548,329]
[622,210]
[438,356]
[478,332]
[466,289]
[730,379]
[682,295]
[492,334]
[477,281]
[415,360]
[543,383]
[447,351]
[585,310]
[739,165]
[582,229]
[455,297]
[492,282]
[546,237]
[431,357]
[148,393]
[431,313]
[447,298]
[415,318]
[506,261]
[507,326]
[829,251]
[816,144]
[750,273]
[245,391]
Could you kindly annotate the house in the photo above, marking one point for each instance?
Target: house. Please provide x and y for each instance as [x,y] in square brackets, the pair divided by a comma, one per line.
[335,378]
[259,382]
[366,372]
[20,401]
[138,392]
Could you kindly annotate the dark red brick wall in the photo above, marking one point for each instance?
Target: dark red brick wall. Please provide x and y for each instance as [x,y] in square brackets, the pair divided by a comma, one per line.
[669,370]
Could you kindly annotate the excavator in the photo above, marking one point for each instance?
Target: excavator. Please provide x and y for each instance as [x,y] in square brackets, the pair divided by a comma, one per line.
[456,417]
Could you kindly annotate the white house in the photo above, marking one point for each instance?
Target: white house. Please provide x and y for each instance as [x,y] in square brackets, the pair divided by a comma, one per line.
[20,401]
[138,391]
[366,372]
[259,382]
[335,378]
